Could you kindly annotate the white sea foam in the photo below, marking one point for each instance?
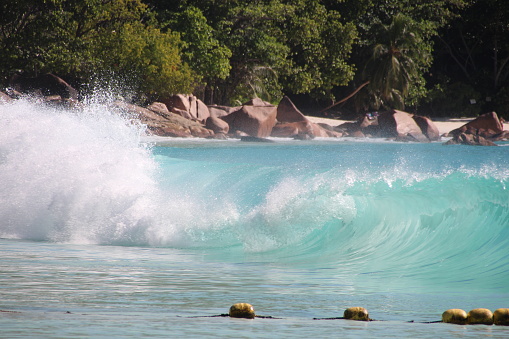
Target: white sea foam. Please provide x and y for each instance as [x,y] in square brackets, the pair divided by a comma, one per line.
[69,175]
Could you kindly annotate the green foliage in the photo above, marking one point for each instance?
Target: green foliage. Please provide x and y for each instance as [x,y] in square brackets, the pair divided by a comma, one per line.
[295,46]
[260,82]
[202,51]
[424,18]
[136,51]
[257,42]
[238,49]
[320,45]
[478,44]
[76,39]
[395,63]
[473,49]
[22,34]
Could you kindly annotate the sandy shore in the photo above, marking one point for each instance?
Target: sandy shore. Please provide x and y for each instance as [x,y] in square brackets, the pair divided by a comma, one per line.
[443,125]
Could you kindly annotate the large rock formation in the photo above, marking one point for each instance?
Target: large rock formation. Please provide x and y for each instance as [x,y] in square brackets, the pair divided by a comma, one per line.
[162,122]
[365,126]
[256,121]
[160,108]
[198,109]
[288,112]
[487,125]
[392,124]
[481,131]
[469,139]
[217,125]
[401,126]
[187,106]
[178,101]
[292,123]
[428,128]
[221,111]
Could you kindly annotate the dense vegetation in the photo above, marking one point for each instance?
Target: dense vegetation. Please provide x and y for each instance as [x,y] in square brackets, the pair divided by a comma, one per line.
[440,57]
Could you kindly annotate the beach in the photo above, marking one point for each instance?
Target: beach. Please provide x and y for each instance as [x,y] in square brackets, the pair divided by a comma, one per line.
[444,125]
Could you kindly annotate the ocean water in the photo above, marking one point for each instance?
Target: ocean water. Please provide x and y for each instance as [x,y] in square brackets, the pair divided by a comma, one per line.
[105,232]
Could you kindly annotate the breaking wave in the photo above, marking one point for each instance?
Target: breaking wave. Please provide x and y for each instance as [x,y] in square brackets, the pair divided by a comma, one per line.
[399,210]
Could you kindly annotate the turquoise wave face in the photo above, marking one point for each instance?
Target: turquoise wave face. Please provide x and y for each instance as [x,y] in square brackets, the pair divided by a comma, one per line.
[410,214]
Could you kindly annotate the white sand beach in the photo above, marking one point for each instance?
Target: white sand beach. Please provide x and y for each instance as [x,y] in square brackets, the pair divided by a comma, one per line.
[443,125]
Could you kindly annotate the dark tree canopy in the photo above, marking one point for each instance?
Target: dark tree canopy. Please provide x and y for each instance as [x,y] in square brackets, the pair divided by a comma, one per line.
[230,51]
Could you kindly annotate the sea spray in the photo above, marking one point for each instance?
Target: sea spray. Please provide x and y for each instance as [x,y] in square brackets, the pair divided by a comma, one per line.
[72,175]
[84,176]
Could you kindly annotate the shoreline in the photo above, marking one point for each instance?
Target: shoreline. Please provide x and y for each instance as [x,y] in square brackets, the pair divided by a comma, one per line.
[444,125]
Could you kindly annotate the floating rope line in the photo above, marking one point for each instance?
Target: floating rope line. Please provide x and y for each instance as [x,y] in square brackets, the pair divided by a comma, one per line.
[477,316]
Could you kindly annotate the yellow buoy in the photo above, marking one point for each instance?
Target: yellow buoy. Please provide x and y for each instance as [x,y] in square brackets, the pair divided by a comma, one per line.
[455,316]
[501,316]
[480,316]
[356,313]
[242,310]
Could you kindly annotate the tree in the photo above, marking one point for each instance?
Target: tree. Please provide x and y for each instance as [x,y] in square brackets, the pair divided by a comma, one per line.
[395,63]
[21,34]
[254,35]
[147,58]
[201,51]
[477,43]
[427,18]
[291,46]
[77,39]
[320,45]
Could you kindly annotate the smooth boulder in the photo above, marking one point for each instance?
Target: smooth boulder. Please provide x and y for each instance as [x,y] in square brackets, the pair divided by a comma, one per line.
[428,127]
[394,124]
[198,110]
[217,125]
[469,139]
[487,125]
[400,125]
[221,111]
[256,121]
[171,125]
[288,112]
[187,106]
[292,123]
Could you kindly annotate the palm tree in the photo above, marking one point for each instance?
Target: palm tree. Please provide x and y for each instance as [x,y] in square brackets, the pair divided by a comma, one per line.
[395,62]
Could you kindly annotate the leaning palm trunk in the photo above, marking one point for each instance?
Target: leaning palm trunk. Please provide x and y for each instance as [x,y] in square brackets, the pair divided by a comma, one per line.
[346,98]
